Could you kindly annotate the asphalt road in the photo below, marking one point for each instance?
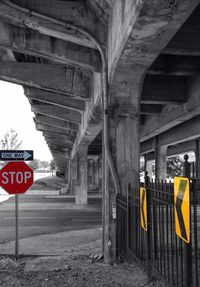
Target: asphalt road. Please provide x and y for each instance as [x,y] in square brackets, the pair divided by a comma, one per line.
[46,215]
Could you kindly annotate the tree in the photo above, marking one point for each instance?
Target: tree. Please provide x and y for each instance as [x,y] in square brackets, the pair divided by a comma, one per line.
[34,164]
[10,141]
[52,165]
[174,166]
[43,164]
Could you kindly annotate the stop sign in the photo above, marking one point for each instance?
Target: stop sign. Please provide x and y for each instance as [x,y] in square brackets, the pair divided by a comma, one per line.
[16,177]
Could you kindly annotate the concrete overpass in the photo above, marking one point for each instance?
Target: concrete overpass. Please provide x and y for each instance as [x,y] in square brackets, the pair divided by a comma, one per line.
[125,71]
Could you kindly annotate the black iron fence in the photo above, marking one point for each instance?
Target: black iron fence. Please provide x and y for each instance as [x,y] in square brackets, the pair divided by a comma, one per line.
[159,249]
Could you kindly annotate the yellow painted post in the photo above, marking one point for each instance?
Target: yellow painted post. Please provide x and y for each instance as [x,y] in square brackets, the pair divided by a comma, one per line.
[143,208]
[182,208]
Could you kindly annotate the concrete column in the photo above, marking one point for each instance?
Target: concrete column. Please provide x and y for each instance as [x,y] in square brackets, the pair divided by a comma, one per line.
[149,158]
[161,161]
[69,178]
[89,173]
[125,149]
[97,172]
[81,188]
[73,174]
[93,172]
[145,162]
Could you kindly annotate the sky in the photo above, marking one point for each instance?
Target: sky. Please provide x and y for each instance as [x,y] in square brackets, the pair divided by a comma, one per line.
[15,113]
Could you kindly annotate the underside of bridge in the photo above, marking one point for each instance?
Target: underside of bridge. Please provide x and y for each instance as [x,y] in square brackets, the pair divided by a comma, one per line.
[107,78]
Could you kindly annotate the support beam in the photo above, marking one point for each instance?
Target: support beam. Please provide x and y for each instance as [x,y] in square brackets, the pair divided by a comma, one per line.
[149,164]
[148,146]
[53,78]
[81,188]
[49,135]
[186,131]
[55,99]
[179,139]
[164,90]
[176,114]
[55,130]
[150,109]
[197,157]
[174,65]
[57,112]
[68,175]
[186,41]
[160,161]
[55,139]
[61,143]
[181,148]
[57,148]
[61,158]
[151,27]
[91,124]
[19,40]
[53,122]
[74,12]
[59,153]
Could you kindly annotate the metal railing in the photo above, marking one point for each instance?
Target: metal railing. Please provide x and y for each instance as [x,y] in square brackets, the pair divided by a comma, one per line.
[159,249]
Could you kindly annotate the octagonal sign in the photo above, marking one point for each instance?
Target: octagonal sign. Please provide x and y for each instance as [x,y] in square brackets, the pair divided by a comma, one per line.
[16,177]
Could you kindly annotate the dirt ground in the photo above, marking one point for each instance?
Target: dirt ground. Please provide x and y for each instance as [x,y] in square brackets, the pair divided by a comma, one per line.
[72,271]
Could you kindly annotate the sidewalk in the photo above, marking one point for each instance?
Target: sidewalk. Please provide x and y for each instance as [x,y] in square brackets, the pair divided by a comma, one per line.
[62,243]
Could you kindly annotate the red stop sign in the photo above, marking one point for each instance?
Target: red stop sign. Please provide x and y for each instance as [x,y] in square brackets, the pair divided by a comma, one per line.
[16,177]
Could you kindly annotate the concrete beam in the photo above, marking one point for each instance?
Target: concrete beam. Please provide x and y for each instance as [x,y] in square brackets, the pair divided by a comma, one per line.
[58,143]
[50,136]
[142,21]
[164,90]
[74,12]
[186,131]
[179,139]
[91,124]
[160,160]
[19,40]
[60,163]
[55,99]
[57,112]
[53,122]
[146,109]
[148,146]
[175,65]
[181,148]
[58,148]
[186,41]
[176,114]
[53,78]
[81,188]
[67,138]
[61,154]
[55,130]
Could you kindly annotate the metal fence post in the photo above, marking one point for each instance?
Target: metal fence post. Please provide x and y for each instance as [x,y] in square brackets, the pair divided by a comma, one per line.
[188,246]
[148,234]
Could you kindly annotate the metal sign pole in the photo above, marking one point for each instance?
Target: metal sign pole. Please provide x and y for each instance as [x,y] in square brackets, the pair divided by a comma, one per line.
[16,228]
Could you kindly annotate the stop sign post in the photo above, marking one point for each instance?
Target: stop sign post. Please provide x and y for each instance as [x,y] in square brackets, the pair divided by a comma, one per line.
[16,178]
